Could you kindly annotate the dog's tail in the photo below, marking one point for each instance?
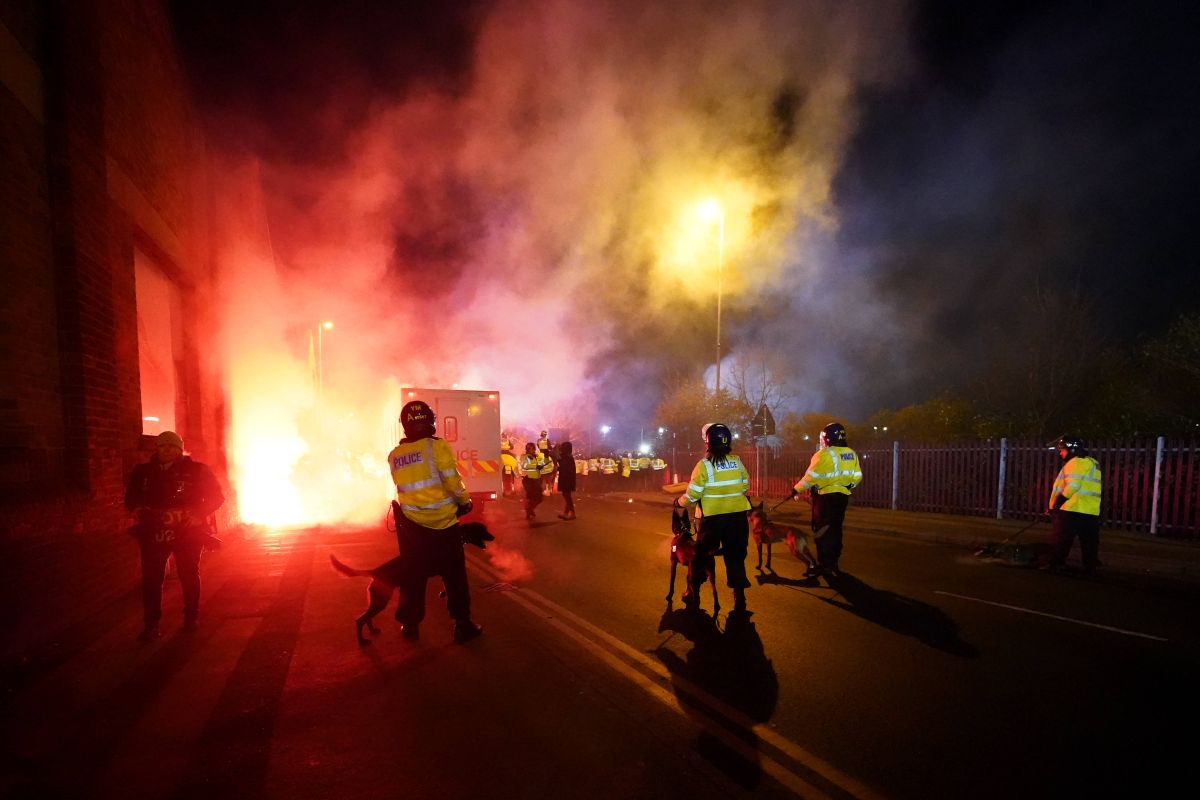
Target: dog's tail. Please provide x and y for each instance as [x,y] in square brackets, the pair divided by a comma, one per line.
[349,571]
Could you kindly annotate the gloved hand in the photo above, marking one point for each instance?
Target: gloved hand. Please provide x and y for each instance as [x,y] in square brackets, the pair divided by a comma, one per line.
[794,493]
[476,533]
[678,502]
[464,509]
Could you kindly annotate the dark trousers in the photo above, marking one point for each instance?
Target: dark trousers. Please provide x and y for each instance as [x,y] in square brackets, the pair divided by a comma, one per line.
[731,534]
[426,552]
[154,553]
[1065,526]
[569,503]
[829,511]
[533,493]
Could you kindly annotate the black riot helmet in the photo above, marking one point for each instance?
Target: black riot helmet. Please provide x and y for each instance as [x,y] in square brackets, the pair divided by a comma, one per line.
[718,439]
[833,434]
[1072,444]
[418,419]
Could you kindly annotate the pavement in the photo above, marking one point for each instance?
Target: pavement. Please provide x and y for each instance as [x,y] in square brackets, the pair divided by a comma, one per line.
[1128,557]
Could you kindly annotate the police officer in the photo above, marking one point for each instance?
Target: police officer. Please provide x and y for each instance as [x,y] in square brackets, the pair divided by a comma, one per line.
[431,497]
[719,485]
[531,478]
[172,497]
[543,444]
[833,473]
[549,468]
[1075,507]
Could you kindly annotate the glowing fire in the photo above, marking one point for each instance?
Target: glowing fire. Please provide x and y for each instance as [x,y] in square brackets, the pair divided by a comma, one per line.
[298,462]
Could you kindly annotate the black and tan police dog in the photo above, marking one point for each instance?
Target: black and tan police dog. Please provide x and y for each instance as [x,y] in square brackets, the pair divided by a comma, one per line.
[683,551]
[386,577]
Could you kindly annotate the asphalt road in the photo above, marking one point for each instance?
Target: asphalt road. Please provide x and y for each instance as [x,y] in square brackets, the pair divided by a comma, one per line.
[922,673]
[925,672]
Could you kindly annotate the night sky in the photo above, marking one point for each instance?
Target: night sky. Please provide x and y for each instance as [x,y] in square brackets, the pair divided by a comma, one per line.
[983,150]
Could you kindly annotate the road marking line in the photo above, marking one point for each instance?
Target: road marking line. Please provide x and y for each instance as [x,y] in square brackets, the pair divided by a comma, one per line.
[530,600]
[1054,616]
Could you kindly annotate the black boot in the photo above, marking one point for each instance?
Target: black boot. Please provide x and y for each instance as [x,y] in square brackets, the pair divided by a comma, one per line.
[465,630]
[739,599]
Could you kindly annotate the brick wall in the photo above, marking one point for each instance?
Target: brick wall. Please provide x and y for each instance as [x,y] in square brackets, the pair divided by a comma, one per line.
[101,154]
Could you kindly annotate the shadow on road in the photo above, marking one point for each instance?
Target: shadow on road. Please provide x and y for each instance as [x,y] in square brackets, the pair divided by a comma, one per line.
[772,578]
[730,665]
[905,615]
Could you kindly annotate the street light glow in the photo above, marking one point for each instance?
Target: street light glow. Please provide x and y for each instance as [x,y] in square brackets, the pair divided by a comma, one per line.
[711,209]
[604,429]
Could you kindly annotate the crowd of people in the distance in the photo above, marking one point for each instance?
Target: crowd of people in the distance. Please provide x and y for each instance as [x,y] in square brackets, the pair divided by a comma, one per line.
[594,472]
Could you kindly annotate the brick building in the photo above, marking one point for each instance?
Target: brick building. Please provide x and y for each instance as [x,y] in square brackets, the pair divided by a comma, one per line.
[106,280]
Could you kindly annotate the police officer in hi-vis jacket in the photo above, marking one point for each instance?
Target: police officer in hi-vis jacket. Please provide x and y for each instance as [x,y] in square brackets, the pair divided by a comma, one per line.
[833,473]
[431,497]
[1075,507]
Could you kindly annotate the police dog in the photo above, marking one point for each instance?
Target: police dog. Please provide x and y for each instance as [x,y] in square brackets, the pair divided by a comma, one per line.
[386,578]
[767,533]
[683,551]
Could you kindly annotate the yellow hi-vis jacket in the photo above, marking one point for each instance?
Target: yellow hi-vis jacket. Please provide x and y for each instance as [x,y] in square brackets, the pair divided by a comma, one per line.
[832,470]
[548,466]
[625,468]
[719,486]
[510,463]
[1079,482]
[608,466]
[531,466]
[428,486]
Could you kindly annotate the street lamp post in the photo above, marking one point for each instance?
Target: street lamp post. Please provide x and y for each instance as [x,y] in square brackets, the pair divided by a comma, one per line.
[321,328]
[713,209]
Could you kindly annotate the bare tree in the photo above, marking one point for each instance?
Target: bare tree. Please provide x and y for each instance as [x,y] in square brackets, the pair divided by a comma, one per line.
[760,377]
[1045,361]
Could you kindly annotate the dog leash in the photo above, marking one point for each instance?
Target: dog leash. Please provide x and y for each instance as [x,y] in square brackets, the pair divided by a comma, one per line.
[781,502]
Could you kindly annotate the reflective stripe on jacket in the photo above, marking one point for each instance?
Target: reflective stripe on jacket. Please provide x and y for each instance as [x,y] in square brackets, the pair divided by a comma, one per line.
[833,470]
[719,487]
[428,486]
[1079,482]
[531,466]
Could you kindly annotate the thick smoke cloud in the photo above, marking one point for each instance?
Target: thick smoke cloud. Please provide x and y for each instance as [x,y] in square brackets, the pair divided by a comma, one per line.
[1040,146]
[524,216]
[506,194]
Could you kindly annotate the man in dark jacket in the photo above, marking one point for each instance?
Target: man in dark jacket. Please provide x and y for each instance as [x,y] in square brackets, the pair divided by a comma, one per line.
[173,498]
